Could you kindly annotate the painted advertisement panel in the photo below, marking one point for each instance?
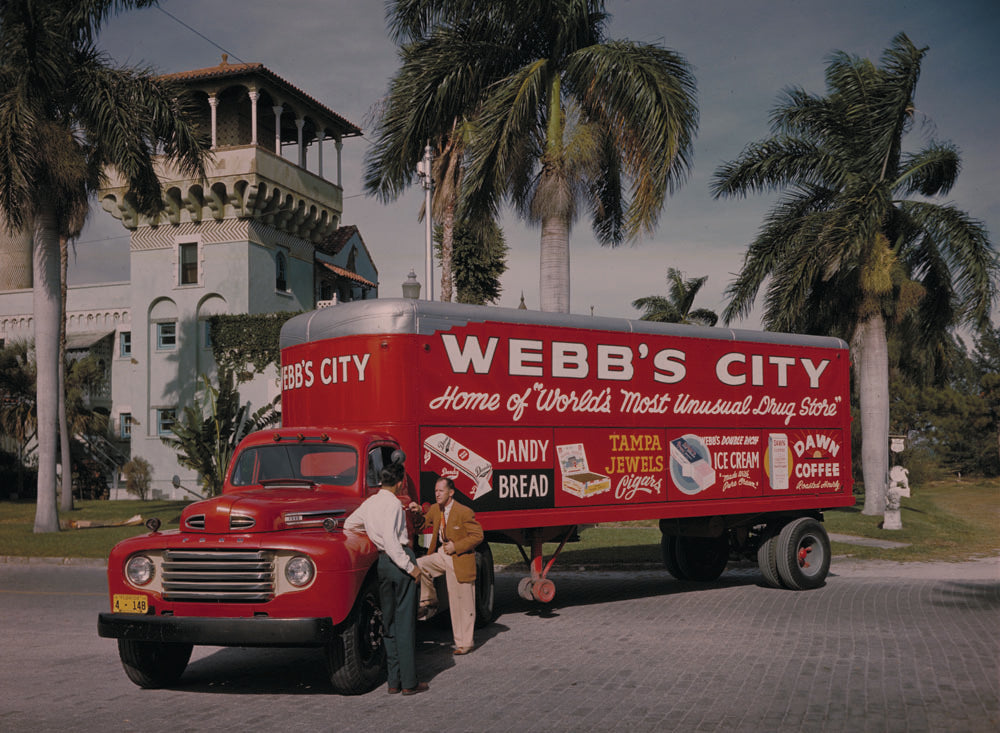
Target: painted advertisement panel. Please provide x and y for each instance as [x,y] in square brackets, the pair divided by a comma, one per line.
[536,417]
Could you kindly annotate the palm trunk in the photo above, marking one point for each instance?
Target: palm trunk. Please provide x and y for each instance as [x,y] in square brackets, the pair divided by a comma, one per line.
[447,247]
[66,498]
[45,304]
[872,364]
[554,265]
[554,256]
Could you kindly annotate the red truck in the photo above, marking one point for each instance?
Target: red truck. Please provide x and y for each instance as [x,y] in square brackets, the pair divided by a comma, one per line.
[736,441]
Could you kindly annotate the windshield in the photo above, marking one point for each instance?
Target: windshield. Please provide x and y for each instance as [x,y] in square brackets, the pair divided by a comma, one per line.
[323,464]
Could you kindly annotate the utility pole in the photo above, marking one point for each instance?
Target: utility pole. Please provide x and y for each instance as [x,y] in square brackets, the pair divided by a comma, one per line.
[426,179]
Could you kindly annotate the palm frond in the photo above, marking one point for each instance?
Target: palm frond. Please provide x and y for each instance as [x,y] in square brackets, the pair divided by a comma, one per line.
[966,249]
[645,97]
[931,172]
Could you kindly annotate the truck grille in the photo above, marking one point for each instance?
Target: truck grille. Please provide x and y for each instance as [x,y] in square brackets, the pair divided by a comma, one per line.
[237,576]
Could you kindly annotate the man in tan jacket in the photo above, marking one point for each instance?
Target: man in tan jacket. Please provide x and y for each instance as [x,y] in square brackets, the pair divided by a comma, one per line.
[452,552]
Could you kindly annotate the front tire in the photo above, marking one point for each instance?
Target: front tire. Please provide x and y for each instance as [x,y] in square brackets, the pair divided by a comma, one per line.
[356,661]
[153,664]
[485,589]
[803,551]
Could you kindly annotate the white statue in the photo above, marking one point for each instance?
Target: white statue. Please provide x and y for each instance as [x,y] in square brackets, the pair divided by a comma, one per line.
[899,486]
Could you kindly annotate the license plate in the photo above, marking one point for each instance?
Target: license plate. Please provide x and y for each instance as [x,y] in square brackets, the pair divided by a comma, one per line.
[127,603]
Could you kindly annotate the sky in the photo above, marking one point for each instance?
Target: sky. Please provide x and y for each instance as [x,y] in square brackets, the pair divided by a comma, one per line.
[743,53]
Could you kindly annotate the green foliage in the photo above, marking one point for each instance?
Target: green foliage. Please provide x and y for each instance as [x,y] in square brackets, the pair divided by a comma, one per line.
[138,474]
[17,394]
[240,342]
[478,259]
[677,306]
[954,422]
[206,434]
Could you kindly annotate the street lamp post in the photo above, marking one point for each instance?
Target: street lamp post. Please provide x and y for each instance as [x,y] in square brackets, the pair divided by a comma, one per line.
[427,180]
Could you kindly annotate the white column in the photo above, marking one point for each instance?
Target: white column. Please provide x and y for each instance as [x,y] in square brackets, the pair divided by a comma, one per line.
[319,150]
[340,147]
[300,123]
[254,96]
[277,128]
[213,102]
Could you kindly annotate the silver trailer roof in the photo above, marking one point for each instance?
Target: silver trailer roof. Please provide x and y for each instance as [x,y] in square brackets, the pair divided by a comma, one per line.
[423,317]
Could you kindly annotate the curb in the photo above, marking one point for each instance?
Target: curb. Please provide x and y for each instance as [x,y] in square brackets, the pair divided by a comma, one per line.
[92,562]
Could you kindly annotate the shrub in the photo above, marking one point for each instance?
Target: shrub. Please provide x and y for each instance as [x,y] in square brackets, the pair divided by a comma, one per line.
[138,472]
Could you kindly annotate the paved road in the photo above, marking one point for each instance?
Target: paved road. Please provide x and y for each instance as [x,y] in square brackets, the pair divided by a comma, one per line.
[897,649]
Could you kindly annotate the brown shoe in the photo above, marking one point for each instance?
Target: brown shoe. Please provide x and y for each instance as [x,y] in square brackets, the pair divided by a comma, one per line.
[421,687]
[393,690]
[459,650]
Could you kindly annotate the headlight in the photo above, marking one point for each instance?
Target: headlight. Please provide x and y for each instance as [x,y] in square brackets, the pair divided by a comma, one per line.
[139,570]
[299,571]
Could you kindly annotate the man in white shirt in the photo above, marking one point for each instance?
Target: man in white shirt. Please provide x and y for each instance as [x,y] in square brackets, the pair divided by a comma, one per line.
[381,517]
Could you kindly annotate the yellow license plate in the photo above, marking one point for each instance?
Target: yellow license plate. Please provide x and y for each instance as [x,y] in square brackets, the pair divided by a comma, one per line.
[127,603]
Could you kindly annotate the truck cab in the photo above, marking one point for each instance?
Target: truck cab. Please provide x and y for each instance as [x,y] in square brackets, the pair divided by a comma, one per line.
[266,563]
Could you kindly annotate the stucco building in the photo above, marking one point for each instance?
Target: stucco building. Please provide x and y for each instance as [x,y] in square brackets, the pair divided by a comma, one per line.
[261,233]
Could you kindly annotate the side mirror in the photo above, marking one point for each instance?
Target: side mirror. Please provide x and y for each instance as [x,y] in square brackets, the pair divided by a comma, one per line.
[398,456]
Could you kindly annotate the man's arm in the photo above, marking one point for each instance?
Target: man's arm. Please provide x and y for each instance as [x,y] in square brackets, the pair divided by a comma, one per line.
[393,547]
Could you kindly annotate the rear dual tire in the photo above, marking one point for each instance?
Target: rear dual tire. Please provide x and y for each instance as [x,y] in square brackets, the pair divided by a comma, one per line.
[795,556]
[700,559]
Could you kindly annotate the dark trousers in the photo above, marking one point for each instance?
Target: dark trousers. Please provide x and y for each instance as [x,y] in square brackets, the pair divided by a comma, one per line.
[398,594]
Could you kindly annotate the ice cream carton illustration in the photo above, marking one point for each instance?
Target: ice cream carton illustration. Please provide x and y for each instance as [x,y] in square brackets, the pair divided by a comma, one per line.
[693,466]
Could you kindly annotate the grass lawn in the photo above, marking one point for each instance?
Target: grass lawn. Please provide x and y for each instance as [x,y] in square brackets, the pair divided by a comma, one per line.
[17,519]
[944,520]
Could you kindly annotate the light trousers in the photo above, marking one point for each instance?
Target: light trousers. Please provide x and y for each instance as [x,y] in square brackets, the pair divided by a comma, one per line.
[461,596]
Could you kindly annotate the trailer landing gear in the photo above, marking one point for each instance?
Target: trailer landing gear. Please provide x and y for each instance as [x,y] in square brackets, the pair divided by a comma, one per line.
[537,586]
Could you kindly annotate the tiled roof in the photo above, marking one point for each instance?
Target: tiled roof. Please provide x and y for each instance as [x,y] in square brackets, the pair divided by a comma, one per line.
[227,70]
[336,241]
[348,274]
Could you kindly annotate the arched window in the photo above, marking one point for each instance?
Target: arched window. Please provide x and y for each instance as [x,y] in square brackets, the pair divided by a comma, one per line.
[280,272]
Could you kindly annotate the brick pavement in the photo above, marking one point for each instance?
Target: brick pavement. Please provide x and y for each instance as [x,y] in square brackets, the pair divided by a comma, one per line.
[628,651]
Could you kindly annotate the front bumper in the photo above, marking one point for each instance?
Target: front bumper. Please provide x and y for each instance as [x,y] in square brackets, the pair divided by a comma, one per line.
[256,631]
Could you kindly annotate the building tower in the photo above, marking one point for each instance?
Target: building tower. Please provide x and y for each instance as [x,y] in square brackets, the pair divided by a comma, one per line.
[247,239]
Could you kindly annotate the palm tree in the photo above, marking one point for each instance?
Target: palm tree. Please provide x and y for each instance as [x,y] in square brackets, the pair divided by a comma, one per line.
[846,241]
[676,307]
[206,434]
[560,117]
[65,113]
[439,86]
[582,123]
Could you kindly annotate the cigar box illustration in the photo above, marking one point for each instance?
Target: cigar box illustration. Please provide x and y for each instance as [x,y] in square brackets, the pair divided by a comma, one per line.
[464,461]
[696,472]
[577,478]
